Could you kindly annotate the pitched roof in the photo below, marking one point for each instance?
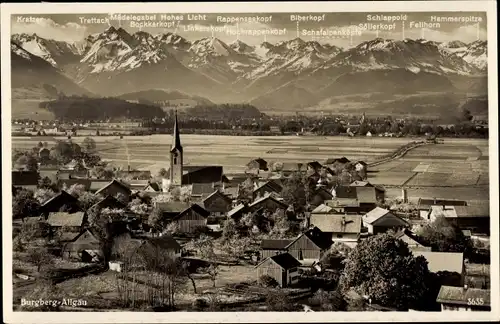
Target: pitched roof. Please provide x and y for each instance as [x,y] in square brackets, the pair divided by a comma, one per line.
[342,160]
[260,200]
[408,237]
[154,185]
[235,210]
[145,174]
[462,296]
[203,174]
[109,201]
[337,223]
[172,206]
[166,242]
[425,203]
[176,138]
[62,195]
[262,164]
[375,214]
[98,184]
[343,202]
[315,165]
[200,189]
[481,210]
[274,244]
[220,194]
[24,178]
[322,209]
[345,192]
[284,260]
[318,237]
[196,208]
[366,195]
[443,261]
[359,183]
[271,185]
[232,191]
[65,219]
[69,182]
[114,182]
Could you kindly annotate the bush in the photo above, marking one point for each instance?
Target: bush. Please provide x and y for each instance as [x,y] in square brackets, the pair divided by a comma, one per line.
[199,230]
[268,281]
[200,304]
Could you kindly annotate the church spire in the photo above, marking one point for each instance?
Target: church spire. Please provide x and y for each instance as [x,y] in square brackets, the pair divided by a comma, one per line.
[176,141]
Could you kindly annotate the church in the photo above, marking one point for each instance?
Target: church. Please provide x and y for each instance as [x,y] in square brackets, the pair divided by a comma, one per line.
[180,174]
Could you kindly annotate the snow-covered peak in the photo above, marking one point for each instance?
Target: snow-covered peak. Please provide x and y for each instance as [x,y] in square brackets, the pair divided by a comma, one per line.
[16,49]
[241,47]
[210,46]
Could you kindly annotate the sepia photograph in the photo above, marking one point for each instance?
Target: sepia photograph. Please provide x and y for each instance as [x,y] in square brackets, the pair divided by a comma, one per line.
[236,159]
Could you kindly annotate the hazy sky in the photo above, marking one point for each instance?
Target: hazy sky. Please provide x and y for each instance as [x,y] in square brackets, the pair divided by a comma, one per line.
[74,27]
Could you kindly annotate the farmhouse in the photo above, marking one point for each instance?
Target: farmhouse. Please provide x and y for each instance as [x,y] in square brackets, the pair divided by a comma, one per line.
[164,244]
[137,185]
[266,188]
[86,247]
[341,228]
[152,187]
[25,179]
[424,204]
[68,222]
[192,218]
[282,267]
[464,299]
[64,201]
[344,205]
[380,220]
[238,211]
[410,238]
[269,203]
[309,246]
[217,204]
[108,202]
[269,248]
[474,218]
[97,184]
[114,188]
[202,190]
[171,209]
[319,196]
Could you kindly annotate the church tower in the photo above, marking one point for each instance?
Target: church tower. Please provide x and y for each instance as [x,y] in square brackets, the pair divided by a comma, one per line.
[176,156]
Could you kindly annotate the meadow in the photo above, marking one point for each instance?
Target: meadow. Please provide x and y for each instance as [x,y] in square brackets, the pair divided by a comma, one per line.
[456,167]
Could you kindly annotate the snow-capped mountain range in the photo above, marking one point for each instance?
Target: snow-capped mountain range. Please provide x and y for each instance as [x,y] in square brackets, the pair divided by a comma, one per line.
[115,62]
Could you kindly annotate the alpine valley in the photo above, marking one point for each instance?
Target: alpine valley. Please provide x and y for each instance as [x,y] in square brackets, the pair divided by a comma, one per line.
[287,76]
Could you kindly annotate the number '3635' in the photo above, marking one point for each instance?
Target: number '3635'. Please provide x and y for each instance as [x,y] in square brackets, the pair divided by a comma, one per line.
[475,301]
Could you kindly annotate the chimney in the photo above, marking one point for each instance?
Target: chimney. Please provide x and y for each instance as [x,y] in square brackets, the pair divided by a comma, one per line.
[435,201]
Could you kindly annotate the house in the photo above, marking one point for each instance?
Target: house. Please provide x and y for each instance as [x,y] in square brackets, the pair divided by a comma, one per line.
[424,204]
[237,212]
[152,187]
[368,197]
[67,222]
[203,174]
[282,267]
[114,188]
[108,202]
[266,188]
[464,299]
[25,179]
[477,275]
[269,203]
[474,218]
[65,184]
[202,190]
[48,171]
[73,174]
[314,166]
[217,204]
[232,192]
[344,192]
[319,196]
[62,200]
[134,174]
[411,239]
[86,247]
[309,246]
[360,166]
[192,218]
[258,164]
[380,220]
[344,205]
[444,261]
[97,184]
[269,248]
[137,185]
[343,160]
[341,228]
[164,244]
[171,209]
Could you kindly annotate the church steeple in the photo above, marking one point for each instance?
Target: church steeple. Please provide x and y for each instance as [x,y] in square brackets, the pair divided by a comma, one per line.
[176,141]
[176,156]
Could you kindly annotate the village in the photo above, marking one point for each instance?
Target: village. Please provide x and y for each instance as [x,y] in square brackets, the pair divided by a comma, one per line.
[314,236]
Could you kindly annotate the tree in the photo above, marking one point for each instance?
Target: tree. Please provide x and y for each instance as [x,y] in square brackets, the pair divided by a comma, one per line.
[444,237]
[229,229]
[466,115]
[186,267]
[278,301]
[39,256]
[173,228]
[245,191]
[46,183]
[124,199]
[65,151]
[330,301]
[281,224]
[76,190]
[294,192]
[236,246]
[212,271]
[27,161]
[89,145]
[43,194]
[35,231]
[138,207]
[24,204]
[91,160]
[155,219]
[87,199]
[163,173]
[333,258]
[384,269]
